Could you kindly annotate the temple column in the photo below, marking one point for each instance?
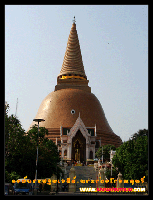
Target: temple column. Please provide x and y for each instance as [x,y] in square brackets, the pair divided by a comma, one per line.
[69,151]
[62,152]
[87,151]
[94,152]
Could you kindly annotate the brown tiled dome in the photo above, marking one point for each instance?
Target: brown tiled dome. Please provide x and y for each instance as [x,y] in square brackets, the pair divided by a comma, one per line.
[62,107]
[57,106]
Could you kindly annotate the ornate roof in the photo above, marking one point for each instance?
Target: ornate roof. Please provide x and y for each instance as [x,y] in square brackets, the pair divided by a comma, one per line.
[72,63]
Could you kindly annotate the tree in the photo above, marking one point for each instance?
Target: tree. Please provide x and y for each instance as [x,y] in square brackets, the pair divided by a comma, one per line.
[131,157]
[48,155]
[114,174]
[11,176]
[140,133]
[20,150]
[14,137]
[106,151]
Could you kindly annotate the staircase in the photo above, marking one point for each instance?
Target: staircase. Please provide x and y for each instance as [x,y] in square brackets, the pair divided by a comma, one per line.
[84,173]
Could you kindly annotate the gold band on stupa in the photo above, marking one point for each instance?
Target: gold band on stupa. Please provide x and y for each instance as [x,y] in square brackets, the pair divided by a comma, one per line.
[78,77]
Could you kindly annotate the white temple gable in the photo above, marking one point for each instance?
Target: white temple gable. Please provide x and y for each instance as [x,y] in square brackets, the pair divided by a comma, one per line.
[78,125]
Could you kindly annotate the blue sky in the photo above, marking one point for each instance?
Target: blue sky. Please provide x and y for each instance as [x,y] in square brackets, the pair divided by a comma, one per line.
[114,47]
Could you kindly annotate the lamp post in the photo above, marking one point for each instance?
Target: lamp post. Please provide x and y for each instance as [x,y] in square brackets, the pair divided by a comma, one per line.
[37,120]
[102,155]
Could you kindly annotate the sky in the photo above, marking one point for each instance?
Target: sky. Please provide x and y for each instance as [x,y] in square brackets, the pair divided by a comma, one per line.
[114,47]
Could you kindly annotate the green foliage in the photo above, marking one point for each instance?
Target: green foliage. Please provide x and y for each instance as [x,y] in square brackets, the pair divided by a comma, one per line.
[114,174]
[131,157]
[11,176]
[106,152]
[20,150]
[140,133]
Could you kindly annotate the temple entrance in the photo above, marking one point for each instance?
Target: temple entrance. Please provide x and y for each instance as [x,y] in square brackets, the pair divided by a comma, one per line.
[79,147]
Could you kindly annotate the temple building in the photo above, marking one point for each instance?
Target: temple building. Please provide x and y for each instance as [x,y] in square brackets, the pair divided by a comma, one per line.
[73,115]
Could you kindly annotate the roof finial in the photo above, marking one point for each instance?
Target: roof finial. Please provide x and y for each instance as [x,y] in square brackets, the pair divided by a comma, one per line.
[74,20]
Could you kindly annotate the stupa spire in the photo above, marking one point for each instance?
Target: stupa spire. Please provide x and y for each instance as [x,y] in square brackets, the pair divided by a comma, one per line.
[72,63]
[73,20]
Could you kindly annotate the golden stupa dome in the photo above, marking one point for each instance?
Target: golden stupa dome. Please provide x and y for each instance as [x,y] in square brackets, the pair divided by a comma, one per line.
[72,97]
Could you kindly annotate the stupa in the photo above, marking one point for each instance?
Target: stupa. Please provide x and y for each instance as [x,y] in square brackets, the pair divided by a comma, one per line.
[73,115]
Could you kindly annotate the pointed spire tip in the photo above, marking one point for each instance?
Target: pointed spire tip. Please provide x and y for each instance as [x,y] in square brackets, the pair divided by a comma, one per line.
[73,20]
